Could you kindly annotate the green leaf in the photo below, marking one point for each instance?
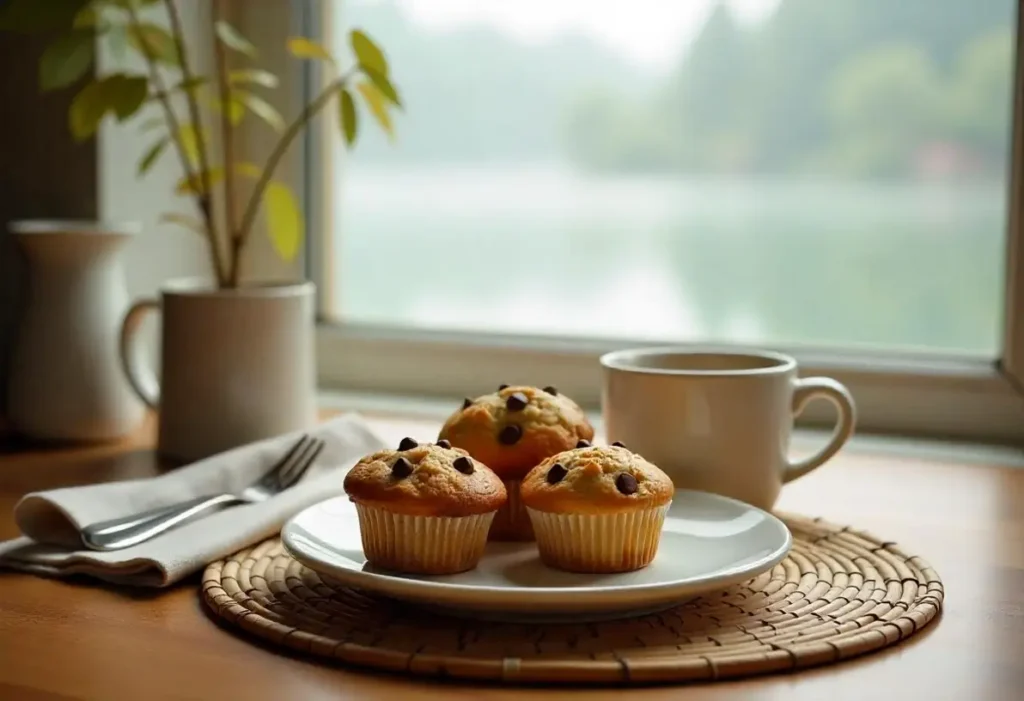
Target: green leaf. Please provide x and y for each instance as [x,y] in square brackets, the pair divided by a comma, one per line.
[125,94]
[250,170]
[190,223]
[67,59]
[347,115]
[119,93]
[233,39]
[383,84]
[128,4]
[194,185]
[188,137]
[191,84]
[255,76]
[87,110]
[235,109]
[284,220]
[262,109]
[87,17]
[39,15]
[301,47]
[378,107]
[152,155]
[154,41]
[368,53]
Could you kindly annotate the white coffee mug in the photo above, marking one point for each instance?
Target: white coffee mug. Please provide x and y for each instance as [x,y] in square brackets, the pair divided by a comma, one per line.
[237,365]
[717,420]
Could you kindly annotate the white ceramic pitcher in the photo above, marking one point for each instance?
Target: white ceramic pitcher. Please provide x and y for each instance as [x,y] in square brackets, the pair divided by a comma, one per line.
[66,382]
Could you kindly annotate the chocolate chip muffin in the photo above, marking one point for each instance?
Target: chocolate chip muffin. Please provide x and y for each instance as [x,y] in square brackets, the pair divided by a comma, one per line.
[424,509]
[511,431]
[597,509]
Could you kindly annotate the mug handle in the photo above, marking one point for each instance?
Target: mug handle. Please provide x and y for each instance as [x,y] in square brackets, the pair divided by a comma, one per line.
[136,369]
[805,391]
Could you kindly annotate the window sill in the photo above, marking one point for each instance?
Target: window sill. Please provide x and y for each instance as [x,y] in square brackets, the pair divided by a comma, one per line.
[905,395]
[420,407]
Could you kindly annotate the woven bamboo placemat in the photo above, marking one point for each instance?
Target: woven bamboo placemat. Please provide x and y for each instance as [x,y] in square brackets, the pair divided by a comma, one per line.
[840,593]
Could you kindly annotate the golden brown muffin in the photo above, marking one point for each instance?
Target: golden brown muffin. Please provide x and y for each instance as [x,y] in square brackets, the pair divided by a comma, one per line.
[425,480]
[596,480]
[597,509]
[515,428]
[424,509]
[511,431]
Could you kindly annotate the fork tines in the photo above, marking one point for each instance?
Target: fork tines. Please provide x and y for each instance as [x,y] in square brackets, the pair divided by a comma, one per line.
[296,462]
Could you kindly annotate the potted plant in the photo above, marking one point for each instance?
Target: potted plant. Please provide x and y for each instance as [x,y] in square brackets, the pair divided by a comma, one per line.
[237,358]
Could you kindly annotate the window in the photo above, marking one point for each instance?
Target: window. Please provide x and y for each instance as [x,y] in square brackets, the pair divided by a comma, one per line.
[571,175]
[687,173]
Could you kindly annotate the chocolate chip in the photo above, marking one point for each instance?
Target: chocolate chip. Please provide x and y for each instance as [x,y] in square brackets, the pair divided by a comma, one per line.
[626,483]
[516,402]
[557,473]
[407,444]
[463,465]
[402,468]
[501,387]
[581,443]
[444,444]
[466,403]
[510,435]
[618,444]
[551,390]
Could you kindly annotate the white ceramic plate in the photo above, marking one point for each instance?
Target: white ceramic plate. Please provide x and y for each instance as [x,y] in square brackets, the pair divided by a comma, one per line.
[708,543]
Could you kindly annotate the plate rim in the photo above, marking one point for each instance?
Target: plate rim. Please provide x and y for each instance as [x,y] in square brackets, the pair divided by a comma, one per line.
[389,583]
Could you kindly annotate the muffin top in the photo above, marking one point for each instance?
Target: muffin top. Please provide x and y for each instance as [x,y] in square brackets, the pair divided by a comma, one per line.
[596,480]
[516,427]
[425,480]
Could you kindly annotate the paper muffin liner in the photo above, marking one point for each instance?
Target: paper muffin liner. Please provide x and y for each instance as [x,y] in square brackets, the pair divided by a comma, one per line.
[512,522]
[422,544]
[599,543]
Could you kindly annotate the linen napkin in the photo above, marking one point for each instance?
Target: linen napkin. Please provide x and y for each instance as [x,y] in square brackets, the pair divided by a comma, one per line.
[50,520]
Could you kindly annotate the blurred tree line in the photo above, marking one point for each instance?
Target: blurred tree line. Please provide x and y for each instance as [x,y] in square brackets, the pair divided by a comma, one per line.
[477,94]
[856,88]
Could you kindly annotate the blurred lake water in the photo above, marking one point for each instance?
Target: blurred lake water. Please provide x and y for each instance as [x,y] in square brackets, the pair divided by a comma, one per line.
[542,249]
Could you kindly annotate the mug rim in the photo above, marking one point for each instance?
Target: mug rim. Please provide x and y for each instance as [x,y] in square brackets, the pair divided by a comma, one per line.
[90,227]
[199,287]
[625,360]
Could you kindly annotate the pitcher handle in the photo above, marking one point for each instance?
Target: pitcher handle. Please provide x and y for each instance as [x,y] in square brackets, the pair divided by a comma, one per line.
[133,362]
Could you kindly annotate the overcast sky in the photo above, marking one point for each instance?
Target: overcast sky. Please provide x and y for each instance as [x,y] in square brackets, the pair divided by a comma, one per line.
[649,32]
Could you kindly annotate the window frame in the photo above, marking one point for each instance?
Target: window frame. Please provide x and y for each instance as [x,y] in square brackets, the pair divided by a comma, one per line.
[920,395]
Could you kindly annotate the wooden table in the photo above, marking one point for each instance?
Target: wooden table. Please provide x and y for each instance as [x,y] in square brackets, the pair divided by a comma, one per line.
[75,641]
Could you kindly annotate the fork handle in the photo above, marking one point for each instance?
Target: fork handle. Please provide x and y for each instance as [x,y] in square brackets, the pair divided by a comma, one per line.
[126,531]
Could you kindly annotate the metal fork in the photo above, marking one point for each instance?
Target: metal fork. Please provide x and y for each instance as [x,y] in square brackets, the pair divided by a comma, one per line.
[127,531]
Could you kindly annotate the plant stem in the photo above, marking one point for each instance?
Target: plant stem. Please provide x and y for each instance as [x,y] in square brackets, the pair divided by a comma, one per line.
[293,130]
[174,128]
[229,153]
[206,198]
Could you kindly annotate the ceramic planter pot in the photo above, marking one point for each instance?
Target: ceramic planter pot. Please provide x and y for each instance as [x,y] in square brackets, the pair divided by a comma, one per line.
[237,365]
